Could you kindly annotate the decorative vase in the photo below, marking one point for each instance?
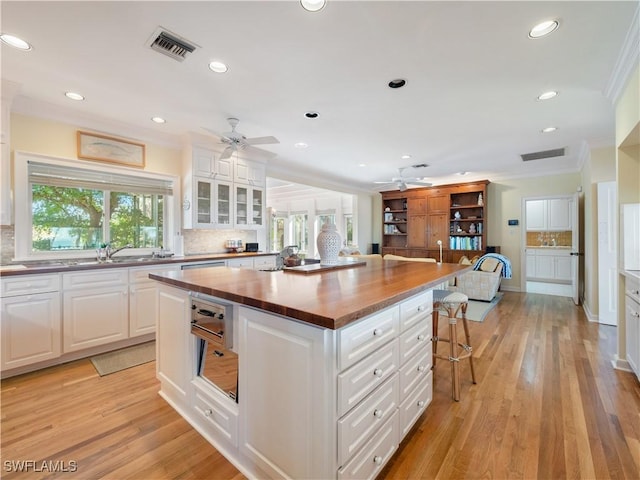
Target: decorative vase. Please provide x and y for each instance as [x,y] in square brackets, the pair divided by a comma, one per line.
[328,243]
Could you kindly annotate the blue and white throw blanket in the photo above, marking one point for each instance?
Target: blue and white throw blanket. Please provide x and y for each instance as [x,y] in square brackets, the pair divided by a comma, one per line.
[506,263]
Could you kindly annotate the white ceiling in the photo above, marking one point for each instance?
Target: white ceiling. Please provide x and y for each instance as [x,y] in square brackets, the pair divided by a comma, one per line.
[469,103]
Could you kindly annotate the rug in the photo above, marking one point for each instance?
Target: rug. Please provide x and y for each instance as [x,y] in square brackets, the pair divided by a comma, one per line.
[478,310]
[122,359]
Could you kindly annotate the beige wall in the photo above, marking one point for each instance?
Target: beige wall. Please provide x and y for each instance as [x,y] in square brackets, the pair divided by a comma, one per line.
[36,135]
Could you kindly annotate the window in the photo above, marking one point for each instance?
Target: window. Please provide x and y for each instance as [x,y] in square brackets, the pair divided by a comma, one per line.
[348,229]
[299,233]
[277,233]
[69,209]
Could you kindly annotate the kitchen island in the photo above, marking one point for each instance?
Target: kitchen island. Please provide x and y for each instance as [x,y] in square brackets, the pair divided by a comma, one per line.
[334,367]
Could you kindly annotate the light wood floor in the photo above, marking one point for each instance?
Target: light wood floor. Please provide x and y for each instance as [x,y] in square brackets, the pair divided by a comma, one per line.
[547,405]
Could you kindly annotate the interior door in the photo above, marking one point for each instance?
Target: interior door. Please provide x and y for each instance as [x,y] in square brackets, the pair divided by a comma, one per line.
[575,250]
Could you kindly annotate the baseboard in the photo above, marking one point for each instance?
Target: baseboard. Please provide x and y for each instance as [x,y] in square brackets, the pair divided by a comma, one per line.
[621,364]
[587,311]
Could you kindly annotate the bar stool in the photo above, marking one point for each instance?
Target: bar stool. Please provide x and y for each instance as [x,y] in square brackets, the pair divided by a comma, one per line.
[450,304]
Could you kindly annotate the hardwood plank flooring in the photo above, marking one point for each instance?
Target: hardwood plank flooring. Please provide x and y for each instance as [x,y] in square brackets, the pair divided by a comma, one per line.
[548,404]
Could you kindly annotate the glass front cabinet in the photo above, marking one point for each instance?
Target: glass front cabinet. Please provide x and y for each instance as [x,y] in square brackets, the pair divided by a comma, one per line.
[249,206]
[213,204]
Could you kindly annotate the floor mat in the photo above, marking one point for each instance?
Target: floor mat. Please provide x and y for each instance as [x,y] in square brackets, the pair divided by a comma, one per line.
[122,359]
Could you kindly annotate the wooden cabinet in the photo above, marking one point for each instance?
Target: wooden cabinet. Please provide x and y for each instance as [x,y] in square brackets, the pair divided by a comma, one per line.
[417,219]
[553,214]
[31,321]
[95,308]
[632,323]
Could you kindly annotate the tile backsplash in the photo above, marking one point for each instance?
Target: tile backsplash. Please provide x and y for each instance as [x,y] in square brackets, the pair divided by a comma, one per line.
[537,239]
[213,241]
[7,251]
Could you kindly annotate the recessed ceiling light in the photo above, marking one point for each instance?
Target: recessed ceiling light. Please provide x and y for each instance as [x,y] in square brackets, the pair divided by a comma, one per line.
[405,157]
[362,164]
[397,83]
[462,173]
[547,95]
[544,28]
[313,5]
[312,114]
[300,145]
[158,120]
[549,129]
[15,42]
[218,67]
[74,96]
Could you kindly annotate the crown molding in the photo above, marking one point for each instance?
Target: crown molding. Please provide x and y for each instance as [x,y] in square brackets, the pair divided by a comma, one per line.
[628,60]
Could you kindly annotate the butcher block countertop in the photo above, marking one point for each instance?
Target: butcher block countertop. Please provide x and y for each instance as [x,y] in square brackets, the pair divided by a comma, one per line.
[331,299]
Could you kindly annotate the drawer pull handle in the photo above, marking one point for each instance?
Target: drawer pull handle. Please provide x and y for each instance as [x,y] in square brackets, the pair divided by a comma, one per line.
[377,332]
[421,404]
[377,459]
[635,314]
[377,413]
[421,337]
[377,372]
[208,412]
[421,368]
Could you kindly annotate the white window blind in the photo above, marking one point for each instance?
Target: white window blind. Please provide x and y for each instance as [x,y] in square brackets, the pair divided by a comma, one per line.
[63,176]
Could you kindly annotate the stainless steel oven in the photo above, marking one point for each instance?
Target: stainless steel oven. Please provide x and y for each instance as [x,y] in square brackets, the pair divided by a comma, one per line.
[216,360]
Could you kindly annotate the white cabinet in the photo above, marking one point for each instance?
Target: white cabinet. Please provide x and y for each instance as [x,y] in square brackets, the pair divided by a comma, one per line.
[31,325]
[257,262]
[249,206]
[95,308]
[143,298]
[212,204]
[207,163]
[632,322]
[549,264]
[552,214]
[249,172]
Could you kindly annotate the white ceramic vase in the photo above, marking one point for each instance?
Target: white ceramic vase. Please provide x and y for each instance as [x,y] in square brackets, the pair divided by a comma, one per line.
[328,243]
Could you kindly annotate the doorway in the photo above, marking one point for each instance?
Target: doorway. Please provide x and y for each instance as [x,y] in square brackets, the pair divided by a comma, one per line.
[551,239]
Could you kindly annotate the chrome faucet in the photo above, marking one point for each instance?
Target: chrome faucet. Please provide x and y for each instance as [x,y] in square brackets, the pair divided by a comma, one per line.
[111,253]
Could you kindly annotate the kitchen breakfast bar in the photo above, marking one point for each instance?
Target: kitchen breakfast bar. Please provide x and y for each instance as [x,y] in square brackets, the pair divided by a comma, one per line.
[333,367]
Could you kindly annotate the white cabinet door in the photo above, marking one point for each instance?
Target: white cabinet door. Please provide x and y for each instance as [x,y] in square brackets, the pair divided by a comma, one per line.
[203,162]
[95,308]
[562,267]
[288,359]
[223,204]
[249,207]
[242,262]
[174,344]
[545,266]
[204,203]
[30,329]
[142,308]
[531,263]
[632,318]
[536,211]
[559,214]
[249,173]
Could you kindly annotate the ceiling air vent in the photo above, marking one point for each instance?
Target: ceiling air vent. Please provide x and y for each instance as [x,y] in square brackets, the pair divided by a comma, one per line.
[557,152]
[171,45]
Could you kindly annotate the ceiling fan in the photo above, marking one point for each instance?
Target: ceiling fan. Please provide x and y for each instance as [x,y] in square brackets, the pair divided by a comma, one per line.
[401,181]
[237,141]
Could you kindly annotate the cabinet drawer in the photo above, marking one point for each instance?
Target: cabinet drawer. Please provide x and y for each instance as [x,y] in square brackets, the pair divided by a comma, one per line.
[364,337]
[632,288]
[361,379]
[86,280]
[414,405]
[361,423]
[369,461]
[217,416]
[29,284]
[267,261]
[415,309]
[246,262]
[141,274]
[415,339]
[414,371]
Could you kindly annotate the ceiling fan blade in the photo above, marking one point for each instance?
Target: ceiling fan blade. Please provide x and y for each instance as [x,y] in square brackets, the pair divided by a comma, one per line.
[263,152]
[227,152]
[422,184]
[261,140]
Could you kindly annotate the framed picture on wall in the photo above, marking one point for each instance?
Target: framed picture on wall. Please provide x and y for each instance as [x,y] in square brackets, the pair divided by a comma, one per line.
[102,148]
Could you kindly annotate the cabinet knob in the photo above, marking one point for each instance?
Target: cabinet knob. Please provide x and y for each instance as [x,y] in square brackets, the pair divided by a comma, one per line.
[377,413]
[208,412]
[377,372]
[421,404]
[377,332]
[421,368]
[377,459]
[421,308]
[635,314]
[421,337]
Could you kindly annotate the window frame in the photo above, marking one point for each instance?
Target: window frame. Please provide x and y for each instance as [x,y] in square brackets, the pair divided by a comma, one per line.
[23,207]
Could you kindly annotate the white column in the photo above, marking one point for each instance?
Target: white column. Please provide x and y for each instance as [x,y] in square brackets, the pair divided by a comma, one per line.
[9,90]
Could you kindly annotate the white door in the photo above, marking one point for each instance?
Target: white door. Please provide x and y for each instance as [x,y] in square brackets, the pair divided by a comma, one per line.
[607,241]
